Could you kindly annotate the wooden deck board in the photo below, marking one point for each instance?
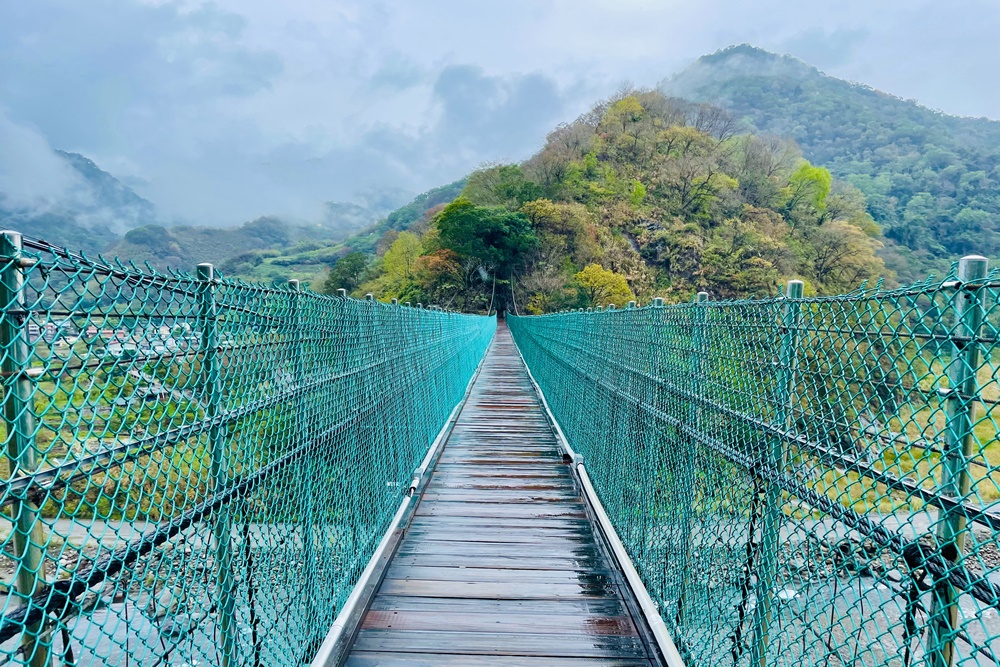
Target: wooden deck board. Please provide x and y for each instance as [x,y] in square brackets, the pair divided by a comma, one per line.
[553,645]
[399,659]
[500,564]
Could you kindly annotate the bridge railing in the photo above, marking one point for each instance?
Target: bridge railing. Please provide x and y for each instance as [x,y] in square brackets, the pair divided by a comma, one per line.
[197,470]
[799,481]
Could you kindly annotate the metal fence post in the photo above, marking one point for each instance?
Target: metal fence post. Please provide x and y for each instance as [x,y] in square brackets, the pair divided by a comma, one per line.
[767,573]
[303,433]
[686,484]
[222,530]
[960,403]
[19,418]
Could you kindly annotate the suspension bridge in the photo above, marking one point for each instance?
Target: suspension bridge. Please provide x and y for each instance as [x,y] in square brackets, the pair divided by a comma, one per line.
[202,471]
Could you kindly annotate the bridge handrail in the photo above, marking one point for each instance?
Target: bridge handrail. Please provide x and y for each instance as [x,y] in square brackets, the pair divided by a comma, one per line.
[797,479]
[199,468]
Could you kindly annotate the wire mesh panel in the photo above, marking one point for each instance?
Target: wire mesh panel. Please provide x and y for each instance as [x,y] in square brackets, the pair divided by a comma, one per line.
[800,481]
[197,469]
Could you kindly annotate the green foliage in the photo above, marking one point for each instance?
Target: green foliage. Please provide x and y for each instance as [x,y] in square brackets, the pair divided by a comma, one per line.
[346,273]
[808,188]
[501,185]
[494,236]
[919,169]
[644,196]
[405,216]
[400,259]
[395,271]
[602,287]
[676,202]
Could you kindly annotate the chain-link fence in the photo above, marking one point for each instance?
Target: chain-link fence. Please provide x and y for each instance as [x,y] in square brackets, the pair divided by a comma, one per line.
[197,470]
[800,481]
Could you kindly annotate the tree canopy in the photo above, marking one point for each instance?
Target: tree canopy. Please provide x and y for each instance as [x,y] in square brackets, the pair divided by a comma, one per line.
[602,287]
[346,273]
[932,181]
[643,196]
[493,235]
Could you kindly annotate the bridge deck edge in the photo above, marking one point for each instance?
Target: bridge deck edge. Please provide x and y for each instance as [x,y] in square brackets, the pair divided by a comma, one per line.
[340,638]
[654,621]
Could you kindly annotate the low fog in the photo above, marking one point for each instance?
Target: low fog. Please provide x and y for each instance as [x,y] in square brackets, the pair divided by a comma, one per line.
[221,112]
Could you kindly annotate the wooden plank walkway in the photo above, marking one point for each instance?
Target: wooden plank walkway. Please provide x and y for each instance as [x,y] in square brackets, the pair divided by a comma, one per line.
[500,564]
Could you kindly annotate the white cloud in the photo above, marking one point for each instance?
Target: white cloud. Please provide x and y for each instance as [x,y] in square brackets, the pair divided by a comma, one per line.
[32,176]
[221,111]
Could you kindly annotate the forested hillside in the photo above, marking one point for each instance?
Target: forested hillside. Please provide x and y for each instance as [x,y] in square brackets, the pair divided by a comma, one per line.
[96,213]
[774,171]
[266,249]
[931,180]
[307,252]
[643,196]
[91,212]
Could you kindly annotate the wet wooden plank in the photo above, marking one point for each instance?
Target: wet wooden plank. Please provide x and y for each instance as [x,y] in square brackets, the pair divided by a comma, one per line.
[494,483]
[515,529]
[514,549]
[518,471]
[540,510]
[500,564]
[511,493]
[464,621]
[513,589]
[583,607]
[537,538]
[490,643]
[500,575]
[478,523]
[377,659]
[510,562]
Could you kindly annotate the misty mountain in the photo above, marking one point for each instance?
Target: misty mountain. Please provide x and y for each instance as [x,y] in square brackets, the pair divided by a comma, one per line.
[109,196]
[931,180]
[90,212]
[310,258]
[240,250]
[267,248]
[93,211]
[372,205]
[404,217]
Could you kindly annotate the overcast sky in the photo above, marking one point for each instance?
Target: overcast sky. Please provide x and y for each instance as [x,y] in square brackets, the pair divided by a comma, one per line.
[222,111]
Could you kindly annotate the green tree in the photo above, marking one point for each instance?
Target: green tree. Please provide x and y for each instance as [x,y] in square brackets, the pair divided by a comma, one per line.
[842,256]
[894,150]
[501,185]
[396,272]
[347,273]
[603,287]
[806,193]
[400,260]
[490,234]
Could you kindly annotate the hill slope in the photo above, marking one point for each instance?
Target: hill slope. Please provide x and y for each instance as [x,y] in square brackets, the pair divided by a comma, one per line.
[90,214]
[931,180]
[307,252]
[97,213]
[643,196]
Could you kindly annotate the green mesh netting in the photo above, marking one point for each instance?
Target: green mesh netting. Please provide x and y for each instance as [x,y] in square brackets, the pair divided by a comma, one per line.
[197,469]
[800,481]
